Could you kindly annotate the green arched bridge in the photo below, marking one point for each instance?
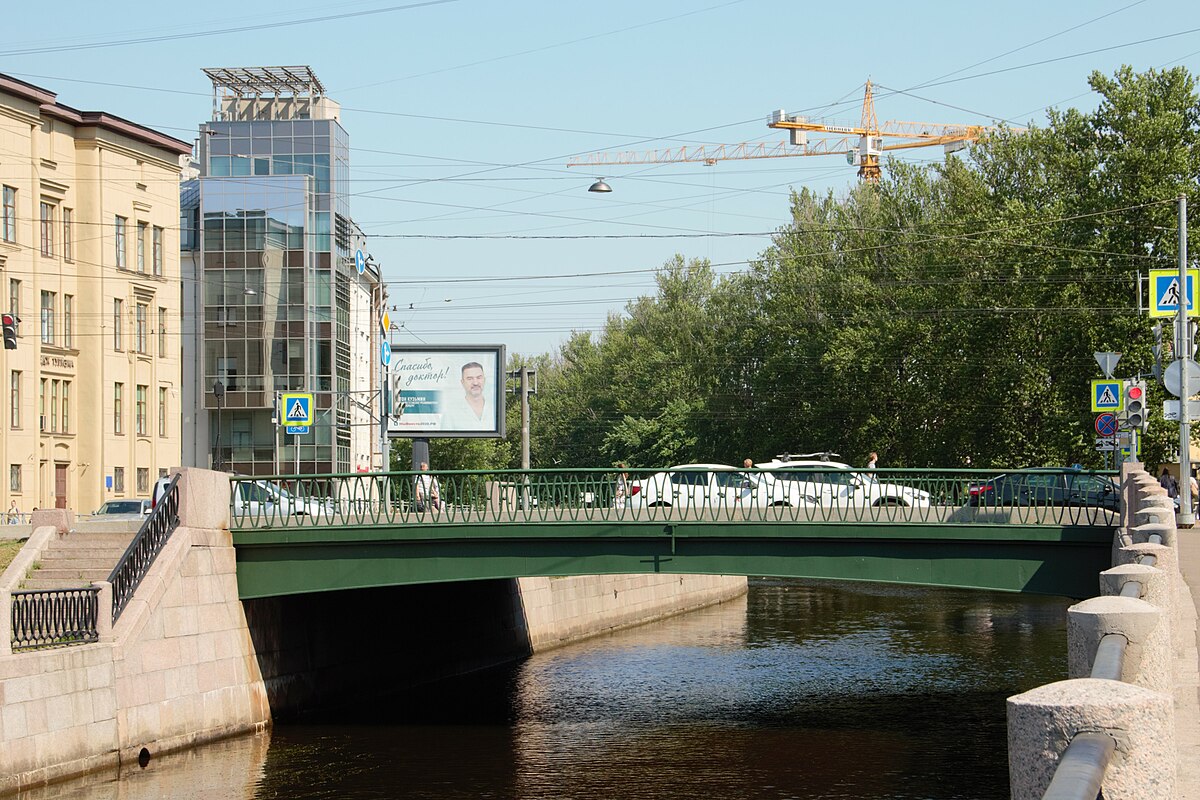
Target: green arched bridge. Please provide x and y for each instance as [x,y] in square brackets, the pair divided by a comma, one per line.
[302,534]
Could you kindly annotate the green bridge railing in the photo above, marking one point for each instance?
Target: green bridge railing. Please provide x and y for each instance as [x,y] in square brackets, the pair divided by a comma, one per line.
[1054,497]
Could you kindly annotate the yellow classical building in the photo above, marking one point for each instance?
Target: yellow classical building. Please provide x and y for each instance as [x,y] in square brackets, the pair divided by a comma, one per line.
[89,264]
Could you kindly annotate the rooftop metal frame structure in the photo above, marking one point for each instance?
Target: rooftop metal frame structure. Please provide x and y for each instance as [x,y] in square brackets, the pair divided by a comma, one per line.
[248,82]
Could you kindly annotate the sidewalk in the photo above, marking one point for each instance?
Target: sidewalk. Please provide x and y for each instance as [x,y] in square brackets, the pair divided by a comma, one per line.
[1187,668]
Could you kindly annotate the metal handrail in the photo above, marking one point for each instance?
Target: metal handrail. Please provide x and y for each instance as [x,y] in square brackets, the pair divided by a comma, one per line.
[1110,657]
[808,494]
[54,617]
[145,547]
[1080,772]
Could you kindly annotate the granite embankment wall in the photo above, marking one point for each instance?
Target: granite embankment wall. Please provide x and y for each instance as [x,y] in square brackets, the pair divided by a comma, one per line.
[187,662]
[177,668]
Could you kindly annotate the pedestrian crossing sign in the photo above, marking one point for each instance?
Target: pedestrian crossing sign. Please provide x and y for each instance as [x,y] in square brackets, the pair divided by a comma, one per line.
[297,409]
[1165,293]
[1108,395]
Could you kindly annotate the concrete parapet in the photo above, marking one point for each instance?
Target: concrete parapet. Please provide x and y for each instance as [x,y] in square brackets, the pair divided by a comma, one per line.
[203,498]
[1164,529]
[1149,501]
[104,623]
[1042,721]
[1155,588]
[1154,514]
[26,557]
[1164,556]
[1148,656]
[61,519]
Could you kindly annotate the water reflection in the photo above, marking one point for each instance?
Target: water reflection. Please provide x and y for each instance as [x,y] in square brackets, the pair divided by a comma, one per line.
[800,689]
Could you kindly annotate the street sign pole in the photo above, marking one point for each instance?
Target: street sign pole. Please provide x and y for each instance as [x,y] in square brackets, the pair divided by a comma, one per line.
[1186,518]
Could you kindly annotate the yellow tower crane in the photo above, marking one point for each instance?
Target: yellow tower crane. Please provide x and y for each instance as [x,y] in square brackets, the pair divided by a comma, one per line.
[862,145]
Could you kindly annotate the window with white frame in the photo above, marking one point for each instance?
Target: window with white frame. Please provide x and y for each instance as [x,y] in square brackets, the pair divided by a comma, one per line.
[118,408]
[8,214]
[141,246]
[140,332]
[118,312]
[140,399]
[68,234]
[68,320]
[119,231]
[119,480]
[47,229]
[47,317]
[158,250]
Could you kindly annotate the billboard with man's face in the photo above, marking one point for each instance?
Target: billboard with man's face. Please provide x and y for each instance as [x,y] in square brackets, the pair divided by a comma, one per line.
[447,391]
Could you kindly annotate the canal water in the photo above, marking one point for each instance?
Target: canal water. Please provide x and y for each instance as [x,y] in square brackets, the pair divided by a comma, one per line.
[799,690]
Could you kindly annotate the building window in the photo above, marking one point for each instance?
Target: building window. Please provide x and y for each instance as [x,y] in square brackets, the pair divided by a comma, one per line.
[54,406]
[47,216]
[118,408]
[141,246]
[140,330]
[47,317]
[158,250]
[162,411]
[140,409]
[68,320]
[42,406]
[120,240]
[14,477]
[143,480]
[68,235]
[14,399]
[14,302]
[8,215]
[66,407]
[162,332]
[119,480]
[118,310]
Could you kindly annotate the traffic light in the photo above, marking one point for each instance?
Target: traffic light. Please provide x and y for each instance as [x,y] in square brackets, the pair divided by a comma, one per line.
[1137,416]
[10,331]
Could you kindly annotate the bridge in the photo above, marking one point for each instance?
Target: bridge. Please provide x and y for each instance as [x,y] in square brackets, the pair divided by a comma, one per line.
[317,533]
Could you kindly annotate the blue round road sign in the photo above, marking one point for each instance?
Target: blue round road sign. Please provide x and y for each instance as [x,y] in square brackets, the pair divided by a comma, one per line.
[360,262]
[1106,424]
[385,353]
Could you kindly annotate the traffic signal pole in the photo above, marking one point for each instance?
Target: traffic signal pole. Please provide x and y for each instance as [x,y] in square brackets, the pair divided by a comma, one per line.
[1186,518]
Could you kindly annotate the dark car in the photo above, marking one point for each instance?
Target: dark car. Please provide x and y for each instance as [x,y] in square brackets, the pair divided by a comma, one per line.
[1047,487]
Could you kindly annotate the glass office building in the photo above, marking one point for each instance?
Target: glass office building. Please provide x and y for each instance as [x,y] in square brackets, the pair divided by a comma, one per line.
[270,243]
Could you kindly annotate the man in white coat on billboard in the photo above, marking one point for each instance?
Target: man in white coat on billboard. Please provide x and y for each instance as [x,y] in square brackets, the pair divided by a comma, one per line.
[475,412]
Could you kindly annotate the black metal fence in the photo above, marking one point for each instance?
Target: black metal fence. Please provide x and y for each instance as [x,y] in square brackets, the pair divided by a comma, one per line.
[54,617]
[145,547]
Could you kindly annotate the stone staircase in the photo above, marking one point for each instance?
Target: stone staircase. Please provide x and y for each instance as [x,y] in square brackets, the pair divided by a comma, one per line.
[80,557]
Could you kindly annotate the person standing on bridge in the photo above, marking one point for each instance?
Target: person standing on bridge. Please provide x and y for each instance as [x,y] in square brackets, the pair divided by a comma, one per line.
[1167,481]
[621,491]
[428,492]
[872,460]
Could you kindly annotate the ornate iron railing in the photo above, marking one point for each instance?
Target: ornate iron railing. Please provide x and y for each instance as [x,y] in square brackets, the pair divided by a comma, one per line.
[145,547]
[54,617]
[801,494]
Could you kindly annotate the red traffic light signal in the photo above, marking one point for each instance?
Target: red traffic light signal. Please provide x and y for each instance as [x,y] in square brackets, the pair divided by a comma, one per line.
[1135,392]
[9,322]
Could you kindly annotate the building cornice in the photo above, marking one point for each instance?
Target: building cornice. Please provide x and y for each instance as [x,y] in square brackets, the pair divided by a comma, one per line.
[50,107]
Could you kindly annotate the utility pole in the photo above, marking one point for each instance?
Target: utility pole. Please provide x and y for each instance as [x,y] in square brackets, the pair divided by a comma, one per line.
[1186,518]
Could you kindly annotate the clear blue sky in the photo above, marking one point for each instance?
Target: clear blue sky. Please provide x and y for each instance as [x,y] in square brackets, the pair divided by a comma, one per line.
[462,115]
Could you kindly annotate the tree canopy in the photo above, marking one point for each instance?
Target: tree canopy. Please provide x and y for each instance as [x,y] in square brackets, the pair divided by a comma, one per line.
[946,316]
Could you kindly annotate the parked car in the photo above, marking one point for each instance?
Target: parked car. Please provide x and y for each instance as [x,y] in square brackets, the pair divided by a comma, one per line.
[266,499]
[690,485]
[123,508]
[1049,486]
[791,479]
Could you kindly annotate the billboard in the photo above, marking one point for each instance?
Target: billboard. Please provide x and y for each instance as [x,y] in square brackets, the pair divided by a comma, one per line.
[447,391]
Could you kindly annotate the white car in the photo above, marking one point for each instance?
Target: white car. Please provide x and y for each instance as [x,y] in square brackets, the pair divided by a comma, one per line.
[791,478]
[265,499]
[691,485]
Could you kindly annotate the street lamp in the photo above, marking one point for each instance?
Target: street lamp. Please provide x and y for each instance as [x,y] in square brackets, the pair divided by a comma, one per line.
[219,393]
[600,186]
